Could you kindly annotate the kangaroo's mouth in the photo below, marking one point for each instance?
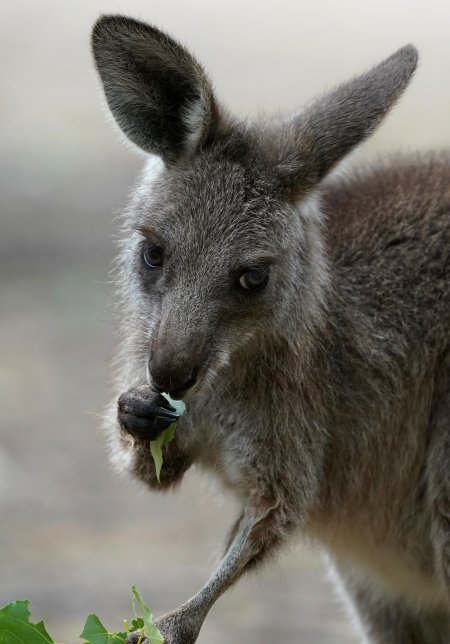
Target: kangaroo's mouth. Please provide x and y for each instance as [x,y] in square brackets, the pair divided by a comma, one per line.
[178,394]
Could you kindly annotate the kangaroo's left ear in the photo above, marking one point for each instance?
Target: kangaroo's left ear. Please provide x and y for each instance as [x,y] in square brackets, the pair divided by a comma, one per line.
[302,150]
[157,92]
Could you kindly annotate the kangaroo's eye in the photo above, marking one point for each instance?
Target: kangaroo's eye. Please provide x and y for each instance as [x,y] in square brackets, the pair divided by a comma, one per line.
[154,256]
[254,278]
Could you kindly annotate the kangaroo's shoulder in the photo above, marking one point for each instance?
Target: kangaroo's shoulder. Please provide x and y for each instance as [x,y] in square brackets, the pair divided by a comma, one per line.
[401,203]
[388,237]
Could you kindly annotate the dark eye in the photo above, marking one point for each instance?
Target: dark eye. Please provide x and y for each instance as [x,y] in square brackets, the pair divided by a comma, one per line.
[153,256]
[254,278]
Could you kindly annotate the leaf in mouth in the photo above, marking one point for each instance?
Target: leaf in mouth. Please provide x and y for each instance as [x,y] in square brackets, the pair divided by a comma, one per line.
[156,446]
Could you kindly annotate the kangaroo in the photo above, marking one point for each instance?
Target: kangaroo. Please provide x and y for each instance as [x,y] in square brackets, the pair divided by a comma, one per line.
[302,315]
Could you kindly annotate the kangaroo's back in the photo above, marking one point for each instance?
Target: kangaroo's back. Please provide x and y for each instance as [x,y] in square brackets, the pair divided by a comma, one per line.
[388,235]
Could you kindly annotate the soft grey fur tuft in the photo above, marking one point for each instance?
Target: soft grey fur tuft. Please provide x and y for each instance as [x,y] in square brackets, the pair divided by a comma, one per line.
[323,401]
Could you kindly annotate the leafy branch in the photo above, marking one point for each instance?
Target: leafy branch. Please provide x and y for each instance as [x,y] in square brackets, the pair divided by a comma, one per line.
[16,627]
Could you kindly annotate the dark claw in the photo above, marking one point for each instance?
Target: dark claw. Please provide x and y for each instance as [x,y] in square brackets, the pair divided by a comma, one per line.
[132,404]
[163,402]
[148,411]
[165,413]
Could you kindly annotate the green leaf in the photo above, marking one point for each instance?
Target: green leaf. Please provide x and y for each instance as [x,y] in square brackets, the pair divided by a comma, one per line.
[178,404]
[156,447]
[137,623]
[95,633]
[151,631]
[166,436]
[16,628]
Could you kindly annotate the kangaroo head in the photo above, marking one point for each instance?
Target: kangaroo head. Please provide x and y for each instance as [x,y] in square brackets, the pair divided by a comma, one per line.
[222,248]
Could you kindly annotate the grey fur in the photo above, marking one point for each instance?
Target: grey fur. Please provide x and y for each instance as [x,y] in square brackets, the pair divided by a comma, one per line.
[323,401]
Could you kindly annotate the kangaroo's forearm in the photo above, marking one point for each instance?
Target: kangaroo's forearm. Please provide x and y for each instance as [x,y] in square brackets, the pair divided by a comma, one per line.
[257,534]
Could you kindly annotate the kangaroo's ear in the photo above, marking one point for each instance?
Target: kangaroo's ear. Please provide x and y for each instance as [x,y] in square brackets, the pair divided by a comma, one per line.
[302,150]
[156,91]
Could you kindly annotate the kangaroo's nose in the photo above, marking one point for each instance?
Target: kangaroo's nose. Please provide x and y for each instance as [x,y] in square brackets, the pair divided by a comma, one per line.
[176,381]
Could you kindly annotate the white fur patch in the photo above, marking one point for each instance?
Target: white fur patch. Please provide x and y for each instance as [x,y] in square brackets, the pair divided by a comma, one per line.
[386,573]
[151,172]
[310,206]
[194,118]
[153,168]
[349,606]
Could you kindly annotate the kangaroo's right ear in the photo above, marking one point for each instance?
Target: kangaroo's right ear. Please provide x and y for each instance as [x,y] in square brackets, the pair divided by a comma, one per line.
[157,92]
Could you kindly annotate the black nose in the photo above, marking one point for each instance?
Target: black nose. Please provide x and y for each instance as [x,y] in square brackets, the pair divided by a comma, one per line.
[172,380]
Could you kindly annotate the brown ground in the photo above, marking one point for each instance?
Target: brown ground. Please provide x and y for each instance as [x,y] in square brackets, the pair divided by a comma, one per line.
[73,538]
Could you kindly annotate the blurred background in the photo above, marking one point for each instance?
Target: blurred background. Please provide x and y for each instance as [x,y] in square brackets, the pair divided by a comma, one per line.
[73,538]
